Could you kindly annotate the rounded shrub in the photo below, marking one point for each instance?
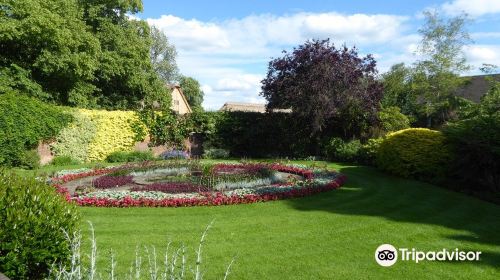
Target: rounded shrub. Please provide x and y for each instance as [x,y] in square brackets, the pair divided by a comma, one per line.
[337,149]
[391,119]
[368,151]
[119,156]
[33,219]
[414,152]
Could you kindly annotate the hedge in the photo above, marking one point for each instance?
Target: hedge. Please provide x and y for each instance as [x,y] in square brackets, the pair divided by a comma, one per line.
[248,134]
[113,132]
[24,122]
[95,134]
[74,140]
[414,152]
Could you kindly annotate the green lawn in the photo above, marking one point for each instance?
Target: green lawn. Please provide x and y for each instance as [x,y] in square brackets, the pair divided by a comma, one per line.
[327,236]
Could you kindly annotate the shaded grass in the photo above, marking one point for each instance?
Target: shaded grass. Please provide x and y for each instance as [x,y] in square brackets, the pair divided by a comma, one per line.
[328,236]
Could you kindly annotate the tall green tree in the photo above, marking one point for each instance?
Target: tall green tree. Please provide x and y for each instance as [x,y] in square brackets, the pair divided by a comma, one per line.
[436,77]
[125,75]
[398,91]
[192,90]
[163,56]
[85,53]
[47,51]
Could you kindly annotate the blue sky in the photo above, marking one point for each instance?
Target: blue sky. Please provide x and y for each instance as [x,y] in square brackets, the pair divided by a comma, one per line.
[226,45]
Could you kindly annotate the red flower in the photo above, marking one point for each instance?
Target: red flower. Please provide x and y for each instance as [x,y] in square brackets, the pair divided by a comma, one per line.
[207,198]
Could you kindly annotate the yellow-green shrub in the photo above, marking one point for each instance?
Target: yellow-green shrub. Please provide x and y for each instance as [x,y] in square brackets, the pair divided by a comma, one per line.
[414,152]
[95,134]
[113,132]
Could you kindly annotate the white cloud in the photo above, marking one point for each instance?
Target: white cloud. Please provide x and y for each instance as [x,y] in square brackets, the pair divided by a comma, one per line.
[479,54]
[230,57]
[474,8]
[254,33]
[485,35]
[358,28]
[233,88]
[242,83]
[192,34]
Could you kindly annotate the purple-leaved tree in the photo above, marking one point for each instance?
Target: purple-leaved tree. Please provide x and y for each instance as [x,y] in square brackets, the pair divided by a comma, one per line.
[334,91]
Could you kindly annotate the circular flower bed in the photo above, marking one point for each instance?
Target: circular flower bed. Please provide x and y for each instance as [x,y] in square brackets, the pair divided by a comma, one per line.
[190,183]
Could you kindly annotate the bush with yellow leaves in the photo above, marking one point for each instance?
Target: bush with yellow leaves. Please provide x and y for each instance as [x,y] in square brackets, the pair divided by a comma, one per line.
[113,132]
[95,134]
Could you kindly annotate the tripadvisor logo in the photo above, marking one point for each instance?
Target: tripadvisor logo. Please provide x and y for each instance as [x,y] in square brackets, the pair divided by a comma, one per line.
[387,255]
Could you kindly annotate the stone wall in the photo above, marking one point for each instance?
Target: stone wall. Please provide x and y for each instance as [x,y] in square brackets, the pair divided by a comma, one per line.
[46,155]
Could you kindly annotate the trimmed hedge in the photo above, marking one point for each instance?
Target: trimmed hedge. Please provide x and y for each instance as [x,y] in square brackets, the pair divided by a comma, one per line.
[249,134]
[33,218]
[64,160]
[24,122]
[414,152]
[114,132]
[95,134]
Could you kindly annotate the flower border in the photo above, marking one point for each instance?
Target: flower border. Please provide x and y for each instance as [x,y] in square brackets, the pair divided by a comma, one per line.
[205,198]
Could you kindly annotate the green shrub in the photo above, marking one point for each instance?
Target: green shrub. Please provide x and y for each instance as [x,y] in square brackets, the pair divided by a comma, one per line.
[414,152]
[368,151]
[64,160]
[339,150]
[117,157]
[141,156]
[391,119]
[476,146]
[214,153]
[33,219]
[24,122]
[29,160]
[123,156]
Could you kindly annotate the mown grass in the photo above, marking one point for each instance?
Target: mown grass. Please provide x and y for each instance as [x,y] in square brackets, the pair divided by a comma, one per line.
[327,236]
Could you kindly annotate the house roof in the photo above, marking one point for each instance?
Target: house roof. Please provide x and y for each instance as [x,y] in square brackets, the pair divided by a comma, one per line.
[476,87]
[244,107]
[173,87]
[248,107]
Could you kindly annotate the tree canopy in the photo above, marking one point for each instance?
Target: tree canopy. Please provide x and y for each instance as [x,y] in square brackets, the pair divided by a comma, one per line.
[192,90]
[77,53]
[326,87]
[163,56]
[426,90]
